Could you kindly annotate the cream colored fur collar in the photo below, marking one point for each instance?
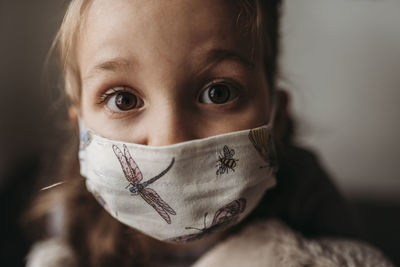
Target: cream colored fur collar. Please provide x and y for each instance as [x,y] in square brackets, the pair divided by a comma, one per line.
[272,244]
[262,244]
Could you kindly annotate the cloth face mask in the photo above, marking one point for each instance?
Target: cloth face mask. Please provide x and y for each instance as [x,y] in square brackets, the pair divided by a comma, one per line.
[181,192]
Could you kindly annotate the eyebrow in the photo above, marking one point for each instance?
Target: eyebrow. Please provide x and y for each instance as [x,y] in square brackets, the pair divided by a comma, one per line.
[213,57]
[111,65]
[216,56]
[222,54]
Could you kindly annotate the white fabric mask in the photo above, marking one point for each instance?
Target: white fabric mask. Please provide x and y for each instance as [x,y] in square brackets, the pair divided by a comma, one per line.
[184,191]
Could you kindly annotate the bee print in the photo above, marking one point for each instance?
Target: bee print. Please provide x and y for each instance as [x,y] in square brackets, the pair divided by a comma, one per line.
[226,161]
[264,144]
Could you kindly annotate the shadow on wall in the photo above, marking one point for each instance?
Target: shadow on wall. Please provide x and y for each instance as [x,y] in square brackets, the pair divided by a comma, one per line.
[342,60]
[27,116]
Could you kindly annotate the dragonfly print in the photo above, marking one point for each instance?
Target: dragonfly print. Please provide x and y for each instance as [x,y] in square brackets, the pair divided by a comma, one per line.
[264,144]
[226,215]
[134,176]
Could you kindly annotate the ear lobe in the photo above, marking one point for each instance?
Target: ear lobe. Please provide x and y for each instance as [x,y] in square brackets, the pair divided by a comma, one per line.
[73,114]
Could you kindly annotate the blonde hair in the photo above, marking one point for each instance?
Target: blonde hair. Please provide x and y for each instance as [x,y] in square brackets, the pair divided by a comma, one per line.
[65,42]
[260,18]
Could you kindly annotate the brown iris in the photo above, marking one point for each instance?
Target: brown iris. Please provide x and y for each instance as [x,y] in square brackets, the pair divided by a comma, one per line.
[126,101]
[219,93]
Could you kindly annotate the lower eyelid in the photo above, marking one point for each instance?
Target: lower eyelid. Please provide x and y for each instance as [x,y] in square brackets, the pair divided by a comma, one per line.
[121,114]
[235,105]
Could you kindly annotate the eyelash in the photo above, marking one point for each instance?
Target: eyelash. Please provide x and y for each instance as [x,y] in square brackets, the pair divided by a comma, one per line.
[110,92]
[232,84]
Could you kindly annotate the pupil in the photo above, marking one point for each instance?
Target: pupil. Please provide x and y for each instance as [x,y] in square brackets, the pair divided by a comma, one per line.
[219,94]
[125,101]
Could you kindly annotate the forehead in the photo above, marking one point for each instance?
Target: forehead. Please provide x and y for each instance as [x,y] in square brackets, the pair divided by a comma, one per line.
[174,31]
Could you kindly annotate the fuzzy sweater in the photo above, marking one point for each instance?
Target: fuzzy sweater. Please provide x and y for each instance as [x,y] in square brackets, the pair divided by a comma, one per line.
[267,243]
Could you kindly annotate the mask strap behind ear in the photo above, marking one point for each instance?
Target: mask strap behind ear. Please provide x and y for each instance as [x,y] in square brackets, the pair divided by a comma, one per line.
[80,123]
[275,103]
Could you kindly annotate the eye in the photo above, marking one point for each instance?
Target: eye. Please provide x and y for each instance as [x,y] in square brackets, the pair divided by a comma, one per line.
[218,93]
[120,99]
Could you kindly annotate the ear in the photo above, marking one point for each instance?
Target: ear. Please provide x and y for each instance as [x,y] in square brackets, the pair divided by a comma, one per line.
[73,114]
[282,117]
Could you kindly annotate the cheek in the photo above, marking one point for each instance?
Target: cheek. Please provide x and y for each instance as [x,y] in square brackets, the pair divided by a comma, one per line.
[256,113]
[86,112]
[90,114]
[253,114]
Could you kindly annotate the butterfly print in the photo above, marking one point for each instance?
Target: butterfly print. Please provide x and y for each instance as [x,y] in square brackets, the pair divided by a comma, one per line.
[134,177]
[224,216]
[262,141]
[226,161]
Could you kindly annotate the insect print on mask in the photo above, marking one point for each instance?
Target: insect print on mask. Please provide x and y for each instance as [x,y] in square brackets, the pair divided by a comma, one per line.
[134,176]
[226,161]
[224,216]
[264,144]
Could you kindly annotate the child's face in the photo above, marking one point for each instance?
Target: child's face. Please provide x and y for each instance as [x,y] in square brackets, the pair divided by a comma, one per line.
[163,72]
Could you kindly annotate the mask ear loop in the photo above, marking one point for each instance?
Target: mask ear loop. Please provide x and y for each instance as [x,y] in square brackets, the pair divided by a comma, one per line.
[274,109]
[275,103]
[81,124]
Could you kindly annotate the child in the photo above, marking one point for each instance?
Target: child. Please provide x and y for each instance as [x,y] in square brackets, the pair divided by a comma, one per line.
[145,79]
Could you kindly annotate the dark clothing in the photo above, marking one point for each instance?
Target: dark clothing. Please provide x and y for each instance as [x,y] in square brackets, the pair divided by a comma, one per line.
[306,199]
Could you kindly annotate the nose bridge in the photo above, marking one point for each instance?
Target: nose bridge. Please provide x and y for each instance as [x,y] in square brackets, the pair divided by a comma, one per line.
[170,124]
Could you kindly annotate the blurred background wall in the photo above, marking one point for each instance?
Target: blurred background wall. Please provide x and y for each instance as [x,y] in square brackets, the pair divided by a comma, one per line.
[26,114]
[340,62]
